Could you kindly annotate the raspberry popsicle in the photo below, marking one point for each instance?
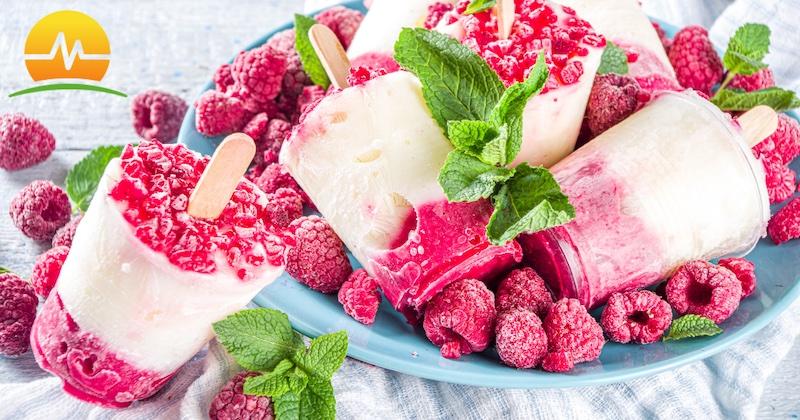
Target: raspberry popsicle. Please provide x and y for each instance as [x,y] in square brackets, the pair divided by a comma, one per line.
[145,280]
[674,182]
[369,157]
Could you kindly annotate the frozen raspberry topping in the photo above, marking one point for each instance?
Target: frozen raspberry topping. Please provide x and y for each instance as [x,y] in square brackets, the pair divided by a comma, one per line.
[17,309]
[520,339]
[47,269]
[697,65]
[524,289]
[704,289]
[744,270]
[640,316]
[24,142]
[153,194]
[40,209]
[785,225]
[360,297]
[317,258]
[436,12]
[231,403]
[360,75]
[570,329]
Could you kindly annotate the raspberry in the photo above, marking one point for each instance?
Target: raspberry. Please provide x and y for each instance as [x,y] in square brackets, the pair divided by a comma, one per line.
[436,12]
[520,338]
[702,288]
[360,75]
[570,329]
[665,41]
[558,362]
[63,236]
[376,60]
[613,98]
[524,289]
[317,258]
[218,114]
[745,272]
[360,297]
[761,79]
[780,179]
[284,206]
[17,310]
[640,316]
[309,99]
[223,79]
[47,269]
[274,177]
[460,319]
[40,209]
[785,225]
[343,22]
[295,78]
[697,65]
[24,142]
[157,115]
[258,73]
[653,84]
[231,403]
[268,134]
[784,143]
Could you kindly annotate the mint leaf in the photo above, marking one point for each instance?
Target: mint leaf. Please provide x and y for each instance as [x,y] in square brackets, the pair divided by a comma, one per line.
[318,401]
[4,270]
[258,339]
[471,137]
[476,6]
[528,202]
[457,84]
[272,384]
[311,64]
[689,326]
[465,178]
[287,406]
[298,379]
[739,100]
[83,178]
[747,48]
[613,60]
[325,355]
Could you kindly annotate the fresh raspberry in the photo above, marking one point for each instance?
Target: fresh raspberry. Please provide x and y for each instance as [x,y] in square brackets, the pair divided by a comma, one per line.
[40,209]
[344,22]
[784,143]
[665,41]
[46,270]
[702,288]
[360,297]
[360,75]
[317,258]
[640,316]
[570,329]
[558,362]
[231,403]
[745,272]
[268,134]
[376,60]
[785,225]
[309,99]
[258,73]
[697,65]
[17,310]
[284,206]
[761,79]
[64,235]
[436,12]
[520,338]
[24,142]
[274,177]
[780,179]
[524,289]
[158,115]
[613,98]
[460,319]
[223,78]
[218,114]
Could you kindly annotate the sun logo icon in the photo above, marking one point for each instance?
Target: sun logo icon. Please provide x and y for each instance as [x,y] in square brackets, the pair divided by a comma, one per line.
[67,46]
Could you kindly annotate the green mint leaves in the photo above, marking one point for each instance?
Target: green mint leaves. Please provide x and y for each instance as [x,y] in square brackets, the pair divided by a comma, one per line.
[298,379]
[744,56]
[311,64]
[4,270]
[613,60]
[83,178]
[476,6]
[690,326]
[483,121]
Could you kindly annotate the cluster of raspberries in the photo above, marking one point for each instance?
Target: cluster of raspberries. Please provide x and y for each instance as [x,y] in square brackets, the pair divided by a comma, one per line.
[776,152]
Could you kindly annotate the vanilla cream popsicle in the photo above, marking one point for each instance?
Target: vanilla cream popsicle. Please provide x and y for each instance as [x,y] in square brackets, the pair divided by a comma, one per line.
[674,182]
[144,280]
[369,157]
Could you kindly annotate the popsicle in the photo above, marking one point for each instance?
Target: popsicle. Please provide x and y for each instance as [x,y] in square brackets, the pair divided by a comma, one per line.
[369,157]
[145,279]
[674,182]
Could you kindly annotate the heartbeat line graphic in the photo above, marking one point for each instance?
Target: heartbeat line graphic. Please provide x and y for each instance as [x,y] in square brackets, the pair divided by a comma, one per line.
[68,55]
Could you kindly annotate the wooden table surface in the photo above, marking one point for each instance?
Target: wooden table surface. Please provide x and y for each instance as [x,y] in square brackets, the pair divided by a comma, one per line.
[175,46]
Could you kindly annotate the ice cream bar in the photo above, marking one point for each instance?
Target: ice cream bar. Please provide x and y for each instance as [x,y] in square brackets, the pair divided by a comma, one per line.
[144,281]
[672,183]
[369,157]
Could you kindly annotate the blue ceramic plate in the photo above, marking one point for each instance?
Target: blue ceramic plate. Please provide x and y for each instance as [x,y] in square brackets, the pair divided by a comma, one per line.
[393,344]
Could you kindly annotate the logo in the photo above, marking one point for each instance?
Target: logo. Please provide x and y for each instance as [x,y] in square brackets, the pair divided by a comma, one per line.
[66,47]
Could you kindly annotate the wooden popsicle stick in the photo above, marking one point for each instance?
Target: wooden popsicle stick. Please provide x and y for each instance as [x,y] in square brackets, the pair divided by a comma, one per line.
[222,175]
[331,53]
[505,18]
[758,124]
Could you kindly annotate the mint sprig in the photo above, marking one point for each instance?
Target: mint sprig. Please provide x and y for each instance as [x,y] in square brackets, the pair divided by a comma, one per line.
[613,60]
[739,100]
[308,57]
[4,270]
[477,6]
[690,326]
[298,379]
[84,177]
